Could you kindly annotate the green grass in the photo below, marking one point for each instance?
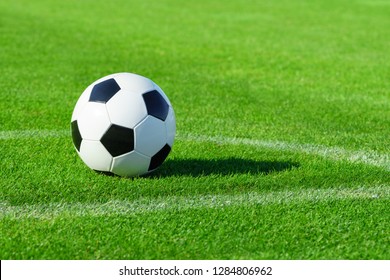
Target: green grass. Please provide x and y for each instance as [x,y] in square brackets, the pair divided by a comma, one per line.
[283,123]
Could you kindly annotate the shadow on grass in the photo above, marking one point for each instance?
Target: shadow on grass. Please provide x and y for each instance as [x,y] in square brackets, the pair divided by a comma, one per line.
[228,166]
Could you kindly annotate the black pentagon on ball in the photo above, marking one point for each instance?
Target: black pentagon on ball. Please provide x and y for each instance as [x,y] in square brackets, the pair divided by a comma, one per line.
[76,136]
[159,157]
[156,104]
[118,140]
[103,91]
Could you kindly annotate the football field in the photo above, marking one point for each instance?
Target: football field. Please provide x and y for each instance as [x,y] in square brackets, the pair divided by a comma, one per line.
[283,130]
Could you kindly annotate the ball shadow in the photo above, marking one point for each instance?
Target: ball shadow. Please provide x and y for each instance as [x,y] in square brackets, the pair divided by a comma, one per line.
[224,167]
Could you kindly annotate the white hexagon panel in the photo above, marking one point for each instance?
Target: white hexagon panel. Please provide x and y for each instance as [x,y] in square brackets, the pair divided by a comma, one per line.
[150,136]
[124,165]
[93,121]
[135,108]
[95,155]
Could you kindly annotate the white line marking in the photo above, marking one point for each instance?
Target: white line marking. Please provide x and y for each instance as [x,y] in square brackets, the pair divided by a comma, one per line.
[334,153]
[181,203]
[34,133]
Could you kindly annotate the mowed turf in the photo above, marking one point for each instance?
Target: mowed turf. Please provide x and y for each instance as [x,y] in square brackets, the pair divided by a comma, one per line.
[283,126]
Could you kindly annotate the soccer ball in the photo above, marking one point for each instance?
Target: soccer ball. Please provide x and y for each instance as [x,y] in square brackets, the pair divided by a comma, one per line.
[123,124]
